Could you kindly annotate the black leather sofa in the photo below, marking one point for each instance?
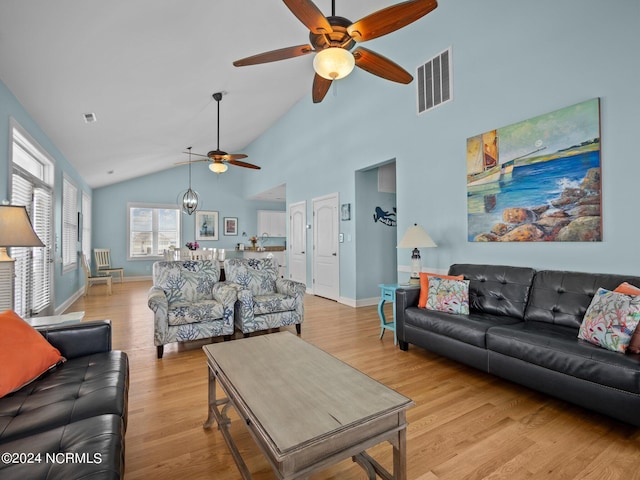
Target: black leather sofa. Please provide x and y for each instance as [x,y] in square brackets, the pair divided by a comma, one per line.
[523,326]
[69,423]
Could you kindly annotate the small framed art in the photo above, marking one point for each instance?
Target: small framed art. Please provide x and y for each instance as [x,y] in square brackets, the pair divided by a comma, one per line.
[230,225]
[206,225]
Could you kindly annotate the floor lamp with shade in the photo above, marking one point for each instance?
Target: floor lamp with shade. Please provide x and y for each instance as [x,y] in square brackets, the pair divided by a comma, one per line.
[15,231]
[416,238]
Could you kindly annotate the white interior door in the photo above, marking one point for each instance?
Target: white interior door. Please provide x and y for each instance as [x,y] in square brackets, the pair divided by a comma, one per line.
[326,260]
[298,242]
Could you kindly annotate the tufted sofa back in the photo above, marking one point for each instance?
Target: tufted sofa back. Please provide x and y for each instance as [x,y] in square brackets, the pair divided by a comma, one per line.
[496,289]
[562,298]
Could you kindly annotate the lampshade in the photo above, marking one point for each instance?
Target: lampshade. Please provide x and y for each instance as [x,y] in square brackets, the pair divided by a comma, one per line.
[216,167]
[16,229]
[333,63]
[416,237]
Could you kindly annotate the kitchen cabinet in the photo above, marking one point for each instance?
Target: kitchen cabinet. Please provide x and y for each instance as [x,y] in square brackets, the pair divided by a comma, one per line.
[272,222]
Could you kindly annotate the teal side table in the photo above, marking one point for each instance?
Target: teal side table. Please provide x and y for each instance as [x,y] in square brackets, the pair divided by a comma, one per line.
[388,294]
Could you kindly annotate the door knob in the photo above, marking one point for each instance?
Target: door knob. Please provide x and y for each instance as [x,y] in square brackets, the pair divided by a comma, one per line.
[334,254]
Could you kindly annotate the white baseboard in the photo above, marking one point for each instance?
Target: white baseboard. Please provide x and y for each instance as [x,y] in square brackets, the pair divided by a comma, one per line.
[68,302]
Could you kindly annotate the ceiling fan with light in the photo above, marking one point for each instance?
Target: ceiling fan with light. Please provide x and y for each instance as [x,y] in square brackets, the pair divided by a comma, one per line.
[219,159]
[333,39]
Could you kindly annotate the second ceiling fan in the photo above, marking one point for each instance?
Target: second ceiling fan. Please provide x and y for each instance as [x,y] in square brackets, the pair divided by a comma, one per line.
[333,38]
[219,158]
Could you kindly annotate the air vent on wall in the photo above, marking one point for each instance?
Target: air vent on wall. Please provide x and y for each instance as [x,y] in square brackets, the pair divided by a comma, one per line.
[435,85]
[89,117]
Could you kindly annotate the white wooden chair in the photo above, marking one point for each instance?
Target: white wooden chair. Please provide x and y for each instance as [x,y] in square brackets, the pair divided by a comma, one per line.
[103,263]
[90,280]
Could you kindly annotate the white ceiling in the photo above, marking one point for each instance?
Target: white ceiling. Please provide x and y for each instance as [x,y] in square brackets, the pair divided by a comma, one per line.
[147,69]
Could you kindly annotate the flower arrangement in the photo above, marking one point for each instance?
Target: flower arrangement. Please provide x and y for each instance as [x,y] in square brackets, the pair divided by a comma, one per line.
[192,245]
[253,240]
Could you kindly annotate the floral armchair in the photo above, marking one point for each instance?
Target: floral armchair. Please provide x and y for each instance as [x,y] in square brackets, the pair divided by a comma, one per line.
[264,300]
[189,303]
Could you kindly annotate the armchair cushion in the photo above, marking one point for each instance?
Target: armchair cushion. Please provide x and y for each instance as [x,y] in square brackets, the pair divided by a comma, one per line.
[187,281]
[256,275]
[273,303]
[181,313]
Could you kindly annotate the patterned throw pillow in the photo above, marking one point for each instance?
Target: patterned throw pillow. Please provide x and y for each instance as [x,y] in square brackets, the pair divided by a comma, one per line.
[451,296]
[610,320]
[424,285]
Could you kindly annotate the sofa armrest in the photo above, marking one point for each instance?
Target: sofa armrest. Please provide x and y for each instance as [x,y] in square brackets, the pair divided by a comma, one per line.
[79,339]
[405,298]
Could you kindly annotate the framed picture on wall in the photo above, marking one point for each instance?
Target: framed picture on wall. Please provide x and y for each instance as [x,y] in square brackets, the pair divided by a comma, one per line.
[230,225]
[206,225]
[345,212]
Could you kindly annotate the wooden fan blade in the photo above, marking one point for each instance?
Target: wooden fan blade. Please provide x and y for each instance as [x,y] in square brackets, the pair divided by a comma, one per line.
[192,161]
[310,15]
[238,163]
[381,66]
[197,154]
[390,19]
[320,88]
[235,156]
[275,55]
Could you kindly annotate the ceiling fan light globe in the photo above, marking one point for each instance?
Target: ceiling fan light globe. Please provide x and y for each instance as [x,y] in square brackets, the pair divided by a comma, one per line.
[333,63]
[218,167]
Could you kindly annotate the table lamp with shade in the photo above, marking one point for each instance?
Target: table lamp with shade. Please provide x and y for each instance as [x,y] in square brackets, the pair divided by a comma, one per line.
[15,231]
[416,238]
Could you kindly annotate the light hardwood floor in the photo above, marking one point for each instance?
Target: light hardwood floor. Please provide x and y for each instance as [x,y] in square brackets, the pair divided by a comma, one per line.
[465,425]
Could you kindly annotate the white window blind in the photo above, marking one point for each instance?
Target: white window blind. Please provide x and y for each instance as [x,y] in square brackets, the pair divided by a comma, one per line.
[32,186]
[33,287]
[86,226]
[69,225]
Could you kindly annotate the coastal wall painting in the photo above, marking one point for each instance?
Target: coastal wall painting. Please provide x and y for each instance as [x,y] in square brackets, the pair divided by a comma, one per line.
[537,180]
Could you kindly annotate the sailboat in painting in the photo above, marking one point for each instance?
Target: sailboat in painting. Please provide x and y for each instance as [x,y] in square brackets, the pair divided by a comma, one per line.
[482,159]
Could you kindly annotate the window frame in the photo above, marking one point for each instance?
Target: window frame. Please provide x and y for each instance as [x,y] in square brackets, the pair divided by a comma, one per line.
[69,224]
[155,207]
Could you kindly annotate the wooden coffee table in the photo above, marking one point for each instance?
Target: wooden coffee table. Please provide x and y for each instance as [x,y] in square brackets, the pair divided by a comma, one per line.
[305,409]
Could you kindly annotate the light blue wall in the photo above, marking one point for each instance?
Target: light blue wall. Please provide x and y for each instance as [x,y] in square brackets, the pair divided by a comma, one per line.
[67,284]
[511,61]
[221,193]
[375,241]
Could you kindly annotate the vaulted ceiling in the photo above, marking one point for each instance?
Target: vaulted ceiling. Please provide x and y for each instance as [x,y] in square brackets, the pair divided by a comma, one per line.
[147,69]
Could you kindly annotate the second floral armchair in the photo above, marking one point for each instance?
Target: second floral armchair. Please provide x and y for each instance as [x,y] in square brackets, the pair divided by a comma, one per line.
[264,300]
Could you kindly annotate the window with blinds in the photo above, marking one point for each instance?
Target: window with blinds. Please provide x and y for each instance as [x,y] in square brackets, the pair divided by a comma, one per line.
[152,229]
[86,226]
[32,186]
[69,225]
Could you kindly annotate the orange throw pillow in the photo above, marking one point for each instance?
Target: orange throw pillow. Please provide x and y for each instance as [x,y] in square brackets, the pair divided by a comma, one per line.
[24,353]
[424,285]
[628,289]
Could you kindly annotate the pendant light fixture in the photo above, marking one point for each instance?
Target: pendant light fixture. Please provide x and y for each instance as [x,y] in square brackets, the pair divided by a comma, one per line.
[190,198]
